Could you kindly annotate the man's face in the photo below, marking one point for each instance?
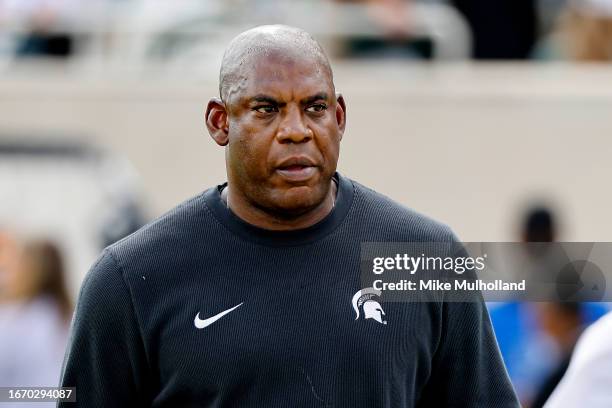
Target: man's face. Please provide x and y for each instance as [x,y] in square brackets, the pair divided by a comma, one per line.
[285,127]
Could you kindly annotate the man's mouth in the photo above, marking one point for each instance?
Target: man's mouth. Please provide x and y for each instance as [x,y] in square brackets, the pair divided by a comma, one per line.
[297,172]
[297,168]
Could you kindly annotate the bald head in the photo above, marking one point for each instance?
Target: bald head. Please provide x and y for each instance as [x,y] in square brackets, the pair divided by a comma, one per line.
[266,42]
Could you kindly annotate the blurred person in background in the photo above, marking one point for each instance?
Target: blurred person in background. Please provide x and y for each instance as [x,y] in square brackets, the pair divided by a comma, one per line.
[528,353]
[8,260]
[392,18]
[501,29]
[583,32]
[46,27]
[536,339]
[35,314]
[589,375]
[563,322]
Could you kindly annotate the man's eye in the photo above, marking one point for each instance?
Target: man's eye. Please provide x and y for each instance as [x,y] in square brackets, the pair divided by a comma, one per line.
[265,109]
[319,107]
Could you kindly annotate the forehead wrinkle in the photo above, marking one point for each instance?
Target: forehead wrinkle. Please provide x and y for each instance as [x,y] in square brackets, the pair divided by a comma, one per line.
[235,87]
[272,78]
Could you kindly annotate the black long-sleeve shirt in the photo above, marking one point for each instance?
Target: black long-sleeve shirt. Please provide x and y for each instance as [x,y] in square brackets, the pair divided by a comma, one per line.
[200,309]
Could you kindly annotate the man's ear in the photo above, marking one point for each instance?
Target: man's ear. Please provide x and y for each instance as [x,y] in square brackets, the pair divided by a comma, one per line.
[341,113]
[217,121]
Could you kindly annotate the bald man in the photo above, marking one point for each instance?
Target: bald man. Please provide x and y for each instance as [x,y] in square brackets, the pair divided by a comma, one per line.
[246,294]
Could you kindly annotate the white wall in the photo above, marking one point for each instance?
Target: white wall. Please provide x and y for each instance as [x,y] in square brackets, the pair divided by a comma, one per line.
[467,144]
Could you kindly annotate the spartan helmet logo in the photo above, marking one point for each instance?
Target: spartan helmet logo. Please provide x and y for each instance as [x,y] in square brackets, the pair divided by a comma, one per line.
[371,308]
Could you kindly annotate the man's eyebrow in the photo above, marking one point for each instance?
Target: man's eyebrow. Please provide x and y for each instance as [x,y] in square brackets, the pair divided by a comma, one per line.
[264,98]
[316,97]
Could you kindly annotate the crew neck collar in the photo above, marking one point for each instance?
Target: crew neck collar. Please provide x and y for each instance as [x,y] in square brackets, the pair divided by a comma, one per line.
[344,200]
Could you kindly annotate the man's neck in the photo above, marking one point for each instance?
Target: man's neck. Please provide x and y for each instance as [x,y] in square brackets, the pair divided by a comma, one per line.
[262,219]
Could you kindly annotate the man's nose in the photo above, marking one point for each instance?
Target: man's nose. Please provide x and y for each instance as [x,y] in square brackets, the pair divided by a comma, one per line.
[292,128]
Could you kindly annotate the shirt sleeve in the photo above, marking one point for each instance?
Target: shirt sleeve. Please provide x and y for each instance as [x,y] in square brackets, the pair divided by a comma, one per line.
[467,368]
[105,359]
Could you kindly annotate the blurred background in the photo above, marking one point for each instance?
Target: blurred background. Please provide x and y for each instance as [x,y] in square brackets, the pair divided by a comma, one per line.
[491,116]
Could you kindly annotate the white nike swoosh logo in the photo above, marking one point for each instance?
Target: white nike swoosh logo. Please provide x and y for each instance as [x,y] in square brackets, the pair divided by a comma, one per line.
[200,324]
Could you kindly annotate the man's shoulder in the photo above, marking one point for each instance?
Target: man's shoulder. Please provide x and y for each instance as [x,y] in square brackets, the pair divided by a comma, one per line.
[176,228]
[395,221]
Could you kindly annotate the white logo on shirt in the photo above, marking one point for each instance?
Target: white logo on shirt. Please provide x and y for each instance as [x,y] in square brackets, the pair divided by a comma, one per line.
[371,308]
[200,324]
